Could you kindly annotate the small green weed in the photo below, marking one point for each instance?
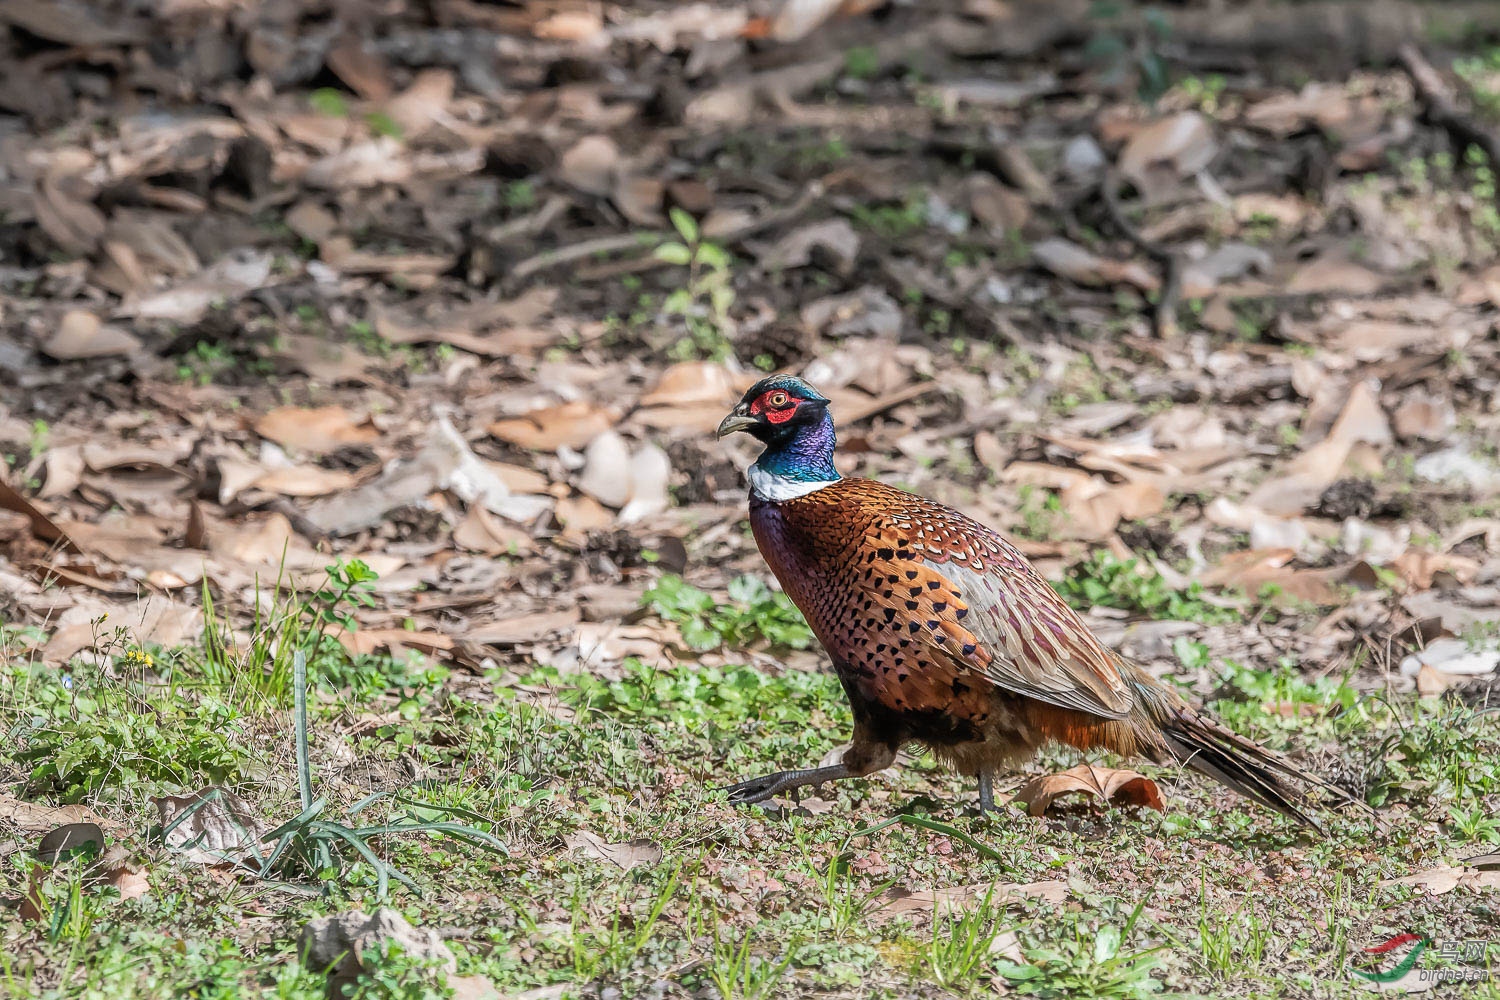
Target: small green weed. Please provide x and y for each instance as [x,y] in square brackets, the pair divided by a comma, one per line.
[892,221]
[703,303]
[330,849]
[861,62]
[387,972]
[737,973]
[959,951]
[1105,580]
[1086,964]
[709,699]
[756,613]
[1041,512]
[83,731]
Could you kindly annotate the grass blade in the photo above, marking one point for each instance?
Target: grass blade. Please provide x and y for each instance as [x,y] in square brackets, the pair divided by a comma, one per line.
[299,692]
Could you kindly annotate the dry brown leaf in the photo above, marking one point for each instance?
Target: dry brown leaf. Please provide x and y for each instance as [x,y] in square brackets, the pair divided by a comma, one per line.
[578,23]
[446,463]
[63,471]
[835,237]
[304,481]
[42,524]
[590,164]
[579,515]
[1326,105]
[318,430]
[367,640]
[131,883]
[1112,785]
[639,199]
[34,817]
[227,281]
[71,23]
[1097,507]
[692,383]
[480,531]
[796,19]
[1332,273]
[941,902]
[1084,267]
[1303,480]
[625,856]
[1160,154]
[1419,568]
[1252,569]
[324,360]
[152,620]
[548,428]
[366,72]
[1432,682]
[211,826]
[525,628]
[72,222]
[82,334]
[264,544]
[1446,878]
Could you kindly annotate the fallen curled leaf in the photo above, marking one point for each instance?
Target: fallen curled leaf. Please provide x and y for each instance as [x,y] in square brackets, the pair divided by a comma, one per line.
[212,826]
[33,817]
[82,334]
[524,628]
[130,883]
[1097,508]
[625,856]
[1164,151]
[1446,878]
[590,164]
[1112,785]
[898,900]
[480,531]
[304,481]
[367,640]
[1432,682]
[317,430]
[1084,267]
[551,427]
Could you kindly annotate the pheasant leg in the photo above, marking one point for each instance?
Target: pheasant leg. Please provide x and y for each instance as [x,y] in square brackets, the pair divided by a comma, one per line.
[986,791]
[863,757]
[770,785]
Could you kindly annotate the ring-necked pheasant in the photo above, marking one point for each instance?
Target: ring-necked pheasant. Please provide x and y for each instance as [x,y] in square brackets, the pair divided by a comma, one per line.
[943,634]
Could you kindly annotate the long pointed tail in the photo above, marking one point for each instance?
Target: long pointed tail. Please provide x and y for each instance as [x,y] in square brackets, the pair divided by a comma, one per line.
[1210,748]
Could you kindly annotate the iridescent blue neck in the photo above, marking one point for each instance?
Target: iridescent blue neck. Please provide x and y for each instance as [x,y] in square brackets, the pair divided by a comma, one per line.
[804,457]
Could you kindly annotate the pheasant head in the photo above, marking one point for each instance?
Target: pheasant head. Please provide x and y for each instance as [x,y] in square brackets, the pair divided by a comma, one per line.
[791,419]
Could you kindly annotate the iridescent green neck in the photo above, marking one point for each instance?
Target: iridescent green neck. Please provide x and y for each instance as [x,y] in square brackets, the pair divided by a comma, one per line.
[795,465]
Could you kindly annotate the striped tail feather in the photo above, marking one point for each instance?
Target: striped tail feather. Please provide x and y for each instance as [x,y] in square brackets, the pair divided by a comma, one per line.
[1243,765]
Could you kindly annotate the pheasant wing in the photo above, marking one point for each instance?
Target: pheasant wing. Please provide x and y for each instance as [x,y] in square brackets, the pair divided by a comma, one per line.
[961,595]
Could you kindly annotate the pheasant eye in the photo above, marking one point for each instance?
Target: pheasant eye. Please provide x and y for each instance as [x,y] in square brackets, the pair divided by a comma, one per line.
[778,399]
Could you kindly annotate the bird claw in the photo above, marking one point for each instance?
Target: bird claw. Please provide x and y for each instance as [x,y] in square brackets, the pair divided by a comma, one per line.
[755,790]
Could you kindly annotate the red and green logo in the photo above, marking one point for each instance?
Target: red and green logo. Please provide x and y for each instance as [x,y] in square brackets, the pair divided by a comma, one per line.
[1389,948]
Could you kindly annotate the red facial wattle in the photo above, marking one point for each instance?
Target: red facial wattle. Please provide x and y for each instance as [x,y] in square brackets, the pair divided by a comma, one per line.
[775,414]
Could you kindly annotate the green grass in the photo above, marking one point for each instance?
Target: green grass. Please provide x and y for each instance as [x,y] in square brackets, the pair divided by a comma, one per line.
[753,613]
[1214,897]
[1105,580]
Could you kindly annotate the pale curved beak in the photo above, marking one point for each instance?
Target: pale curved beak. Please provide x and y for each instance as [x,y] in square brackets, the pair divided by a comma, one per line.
[738,420]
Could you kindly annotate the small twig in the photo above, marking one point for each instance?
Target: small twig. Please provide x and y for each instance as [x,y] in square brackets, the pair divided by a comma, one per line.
[548,259]
[770,220]
[1164,320]
[1439,109]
